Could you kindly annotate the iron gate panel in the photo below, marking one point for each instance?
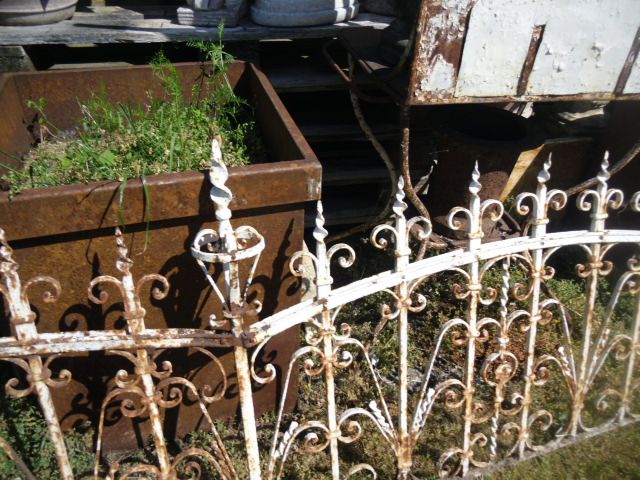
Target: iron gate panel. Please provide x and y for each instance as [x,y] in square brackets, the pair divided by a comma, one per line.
[488,373]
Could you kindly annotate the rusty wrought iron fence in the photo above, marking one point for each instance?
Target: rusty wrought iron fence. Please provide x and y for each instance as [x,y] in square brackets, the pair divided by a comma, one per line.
[512,370]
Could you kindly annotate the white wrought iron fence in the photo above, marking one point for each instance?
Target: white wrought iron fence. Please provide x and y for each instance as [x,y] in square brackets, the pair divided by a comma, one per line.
[510,370]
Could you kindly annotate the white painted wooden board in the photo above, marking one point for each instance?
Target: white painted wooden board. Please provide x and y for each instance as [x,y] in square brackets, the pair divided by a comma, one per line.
[582,51]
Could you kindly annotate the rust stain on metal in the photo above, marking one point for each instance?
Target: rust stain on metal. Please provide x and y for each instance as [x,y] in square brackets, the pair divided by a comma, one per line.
[532,52]
[74,227]
[447,28]
[634,51]
[441,32]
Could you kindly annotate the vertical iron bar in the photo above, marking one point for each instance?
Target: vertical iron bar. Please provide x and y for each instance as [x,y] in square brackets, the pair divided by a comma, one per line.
[49,413]
[331,396]
[221,197]
[635,345]
[598,217]
[592,292]
[474,243]
[22,320]
[539,230]
[323,283]
[155,417]
[401,262]
[234,291]
[135,319]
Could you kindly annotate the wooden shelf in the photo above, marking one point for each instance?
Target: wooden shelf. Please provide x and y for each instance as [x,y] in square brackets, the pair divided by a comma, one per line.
[104,25]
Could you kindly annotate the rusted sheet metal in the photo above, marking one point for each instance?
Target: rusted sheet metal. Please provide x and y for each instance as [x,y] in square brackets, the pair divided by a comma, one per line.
[629,79]
[70,236]
[524,50]
[441,27]
[529,61]
[292,173]
[463,135]
[82,209]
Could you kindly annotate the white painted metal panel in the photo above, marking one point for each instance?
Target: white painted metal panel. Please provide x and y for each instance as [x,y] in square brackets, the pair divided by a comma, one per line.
[496,47]
[584,47]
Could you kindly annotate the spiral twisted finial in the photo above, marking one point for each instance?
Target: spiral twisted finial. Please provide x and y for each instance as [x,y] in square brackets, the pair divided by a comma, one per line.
[504,290]
[474,185]
[123,263]
[399,205]
[218,175]
[319,232]
[7,263]
[543,175]
[603,174]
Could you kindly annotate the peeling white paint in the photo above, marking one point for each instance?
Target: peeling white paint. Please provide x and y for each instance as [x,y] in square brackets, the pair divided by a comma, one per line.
[441,77]
[583,50]
[445,26]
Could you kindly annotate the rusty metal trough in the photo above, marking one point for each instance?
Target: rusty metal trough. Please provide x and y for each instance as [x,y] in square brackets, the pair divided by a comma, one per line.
[67,232]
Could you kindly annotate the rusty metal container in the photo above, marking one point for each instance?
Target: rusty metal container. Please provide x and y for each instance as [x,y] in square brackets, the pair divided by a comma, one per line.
[464,135]
[67,232]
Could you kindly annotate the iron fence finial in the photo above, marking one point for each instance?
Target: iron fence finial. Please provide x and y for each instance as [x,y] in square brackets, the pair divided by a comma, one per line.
[319,232]
[220,194]
[399,205]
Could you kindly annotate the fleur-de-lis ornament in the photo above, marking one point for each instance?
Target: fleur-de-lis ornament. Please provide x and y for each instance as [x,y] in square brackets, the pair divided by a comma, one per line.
[475,213]
[227,247]
[542,200]
[38,372]
[600,200]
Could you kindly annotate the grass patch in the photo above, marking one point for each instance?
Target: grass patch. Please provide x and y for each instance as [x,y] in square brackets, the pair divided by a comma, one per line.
[119,141]
[24,428]
[613,455]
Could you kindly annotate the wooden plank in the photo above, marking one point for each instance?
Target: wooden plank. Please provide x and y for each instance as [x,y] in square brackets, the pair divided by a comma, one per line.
[346,132]
[110,13]
[297,78]
[304,79]
[95,28]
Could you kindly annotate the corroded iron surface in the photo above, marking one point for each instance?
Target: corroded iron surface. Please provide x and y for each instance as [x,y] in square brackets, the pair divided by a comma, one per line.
[67,232]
